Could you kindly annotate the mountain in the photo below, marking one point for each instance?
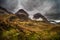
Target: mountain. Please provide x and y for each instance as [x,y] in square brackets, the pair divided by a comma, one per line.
[22,15]
[12,28]
[39,15]
[4,11]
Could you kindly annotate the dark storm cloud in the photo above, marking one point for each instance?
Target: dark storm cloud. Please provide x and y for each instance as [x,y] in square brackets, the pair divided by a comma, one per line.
[49,8]
[45,7]
[54,12]
[32,4]
[2,1]
[10,5]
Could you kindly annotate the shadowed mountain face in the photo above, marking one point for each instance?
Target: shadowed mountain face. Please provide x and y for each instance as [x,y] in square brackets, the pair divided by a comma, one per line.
[4,11]
[22,14]
[38,15]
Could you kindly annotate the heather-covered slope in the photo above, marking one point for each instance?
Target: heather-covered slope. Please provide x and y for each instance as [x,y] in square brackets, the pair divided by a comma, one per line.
[13,28]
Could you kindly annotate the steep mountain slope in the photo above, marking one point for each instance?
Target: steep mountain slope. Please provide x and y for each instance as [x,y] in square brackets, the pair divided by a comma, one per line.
[12,28]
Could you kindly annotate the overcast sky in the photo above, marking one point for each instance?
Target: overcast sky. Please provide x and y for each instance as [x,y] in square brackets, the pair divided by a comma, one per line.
[34,6]
[50,8]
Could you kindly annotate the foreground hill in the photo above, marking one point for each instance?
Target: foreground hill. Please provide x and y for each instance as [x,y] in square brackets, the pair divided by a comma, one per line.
[13,28]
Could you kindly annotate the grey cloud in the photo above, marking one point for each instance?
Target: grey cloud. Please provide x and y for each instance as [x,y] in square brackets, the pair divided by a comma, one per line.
[10,5]
[48,8]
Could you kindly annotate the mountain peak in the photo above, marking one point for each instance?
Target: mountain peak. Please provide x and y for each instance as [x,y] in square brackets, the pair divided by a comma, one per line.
[22,14]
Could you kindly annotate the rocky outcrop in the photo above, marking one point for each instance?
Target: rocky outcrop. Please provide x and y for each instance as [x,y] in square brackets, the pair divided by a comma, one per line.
[38,15]
[22,14]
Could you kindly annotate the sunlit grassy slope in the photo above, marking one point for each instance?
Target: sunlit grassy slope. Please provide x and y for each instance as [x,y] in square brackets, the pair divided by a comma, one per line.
[13,28]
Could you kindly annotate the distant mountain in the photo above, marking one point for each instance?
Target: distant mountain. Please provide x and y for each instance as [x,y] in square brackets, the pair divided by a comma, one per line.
[4,11]
[39,15]
[12,28]
[22,14]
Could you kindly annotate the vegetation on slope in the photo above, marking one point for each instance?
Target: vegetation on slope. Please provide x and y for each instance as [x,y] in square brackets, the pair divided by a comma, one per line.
[12,28]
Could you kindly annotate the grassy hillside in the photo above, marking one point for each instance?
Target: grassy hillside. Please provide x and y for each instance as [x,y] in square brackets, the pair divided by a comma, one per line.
[13,28]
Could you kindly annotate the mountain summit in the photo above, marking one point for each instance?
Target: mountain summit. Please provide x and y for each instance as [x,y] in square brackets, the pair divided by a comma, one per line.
[22,14]
[13,28]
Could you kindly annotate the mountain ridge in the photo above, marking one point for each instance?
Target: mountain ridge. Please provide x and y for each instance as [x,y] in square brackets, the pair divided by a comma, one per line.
[12,28]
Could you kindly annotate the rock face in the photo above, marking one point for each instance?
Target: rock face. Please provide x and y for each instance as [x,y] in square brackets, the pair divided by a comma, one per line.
[4,11]
[22,14]
[38,15]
